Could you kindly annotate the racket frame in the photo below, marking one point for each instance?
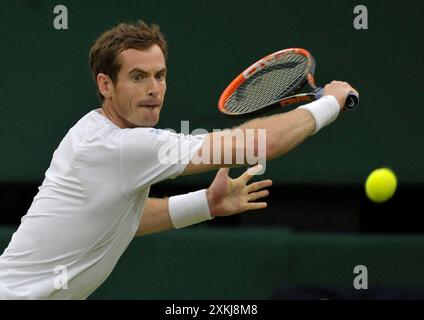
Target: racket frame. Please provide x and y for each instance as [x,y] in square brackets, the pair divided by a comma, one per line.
[266,61]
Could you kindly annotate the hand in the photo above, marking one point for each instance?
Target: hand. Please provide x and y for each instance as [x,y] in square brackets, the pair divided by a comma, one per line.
[228,196]
[340,90]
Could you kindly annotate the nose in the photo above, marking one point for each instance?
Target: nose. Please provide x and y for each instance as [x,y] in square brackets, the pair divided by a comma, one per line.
[153,90]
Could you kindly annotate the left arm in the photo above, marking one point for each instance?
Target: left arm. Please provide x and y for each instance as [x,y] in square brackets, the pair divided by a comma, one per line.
[225,197]
[155,217]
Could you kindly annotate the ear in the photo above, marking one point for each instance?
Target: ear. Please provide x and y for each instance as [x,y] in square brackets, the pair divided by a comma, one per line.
[105,85]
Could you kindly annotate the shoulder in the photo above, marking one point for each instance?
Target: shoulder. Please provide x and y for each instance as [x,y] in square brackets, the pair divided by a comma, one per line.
[153,137]
[146,135]
[93,137]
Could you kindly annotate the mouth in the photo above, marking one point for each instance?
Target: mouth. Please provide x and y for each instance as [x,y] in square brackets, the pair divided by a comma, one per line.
[150,105]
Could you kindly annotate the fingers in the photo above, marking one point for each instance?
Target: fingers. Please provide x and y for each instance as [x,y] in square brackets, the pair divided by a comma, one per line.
[340,90]
[354,90]
[255,186]
[256,205]
[249,173]
[257,195]
[341,85]
[254,189]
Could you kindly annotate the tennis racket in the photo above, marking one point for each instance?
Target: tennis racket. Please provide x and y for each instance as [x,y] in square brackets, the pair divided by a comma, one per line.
[283,78]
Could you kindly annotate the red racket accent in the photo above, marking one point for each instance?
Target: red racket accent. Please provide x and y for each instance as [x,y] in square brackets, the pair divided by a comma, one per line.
[259,65]
[277,79]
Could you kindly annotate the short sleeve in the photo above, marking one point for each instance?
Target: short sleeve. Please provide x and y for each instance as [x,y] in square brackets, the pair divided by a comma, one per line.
[150,155]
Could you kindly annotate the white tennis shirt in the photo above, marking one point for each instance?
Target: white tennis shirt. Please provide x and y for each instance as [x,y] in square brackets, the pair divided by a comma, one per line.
[89,207]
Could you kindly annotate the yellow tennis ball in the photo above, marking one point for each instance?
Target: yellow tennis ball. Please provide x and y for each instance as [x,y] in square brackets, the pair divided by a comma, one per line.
[381,185]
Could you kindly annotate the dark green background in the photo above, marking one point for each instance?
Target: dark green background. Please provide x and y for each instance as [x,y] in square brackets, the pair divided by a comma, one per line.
[203,263]
[45,84]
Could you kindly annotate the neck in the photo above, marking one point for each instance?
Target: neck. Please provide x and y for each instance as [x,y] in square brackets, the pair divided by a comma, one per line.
[109,112]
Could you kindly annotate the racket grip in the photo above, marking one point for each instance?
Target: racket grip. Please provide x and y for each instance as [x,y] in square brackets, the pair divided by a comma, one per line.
[352,100]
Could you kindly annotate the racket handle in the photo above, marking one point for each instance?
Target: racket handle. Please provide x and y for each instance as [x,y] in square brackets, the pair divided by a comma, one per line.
[352,100]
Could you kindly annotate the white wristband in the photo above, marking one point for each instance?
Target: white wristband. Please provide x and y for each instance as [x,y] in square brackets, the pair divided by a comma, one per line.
[188,209]
[324,111]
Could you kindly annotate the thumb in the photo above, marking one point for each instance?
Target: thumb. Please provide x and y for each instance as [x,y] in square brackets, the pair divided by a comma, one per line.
[219,184]
[223,173]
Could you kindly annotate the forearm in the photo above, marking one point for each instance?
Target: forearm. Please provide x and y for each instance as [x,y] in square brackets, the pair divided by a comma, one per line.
[175,212]
[156,217]
[265,138]
[283,131]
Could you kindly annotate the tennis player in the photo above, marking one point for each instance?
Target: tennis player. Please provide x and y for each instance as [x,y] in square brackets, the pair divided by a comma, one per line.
[95,195]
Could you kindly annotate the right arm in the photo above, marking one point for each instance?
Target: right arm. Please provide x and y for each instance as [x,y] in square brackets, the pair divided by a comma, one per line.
[283,132]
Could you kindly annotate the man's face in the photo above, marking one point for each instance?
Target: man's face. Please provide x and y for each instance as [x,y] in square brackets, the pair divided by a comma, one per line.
[140,87]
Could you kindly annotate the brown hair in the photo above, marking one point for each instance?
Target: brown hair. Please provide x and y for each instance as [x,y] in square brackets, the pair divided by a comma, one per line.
[103,56]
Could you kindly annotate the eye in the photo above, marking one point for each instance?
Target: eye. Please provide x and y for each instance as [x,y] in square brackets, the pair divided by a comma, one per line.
[137,77]
[160,76]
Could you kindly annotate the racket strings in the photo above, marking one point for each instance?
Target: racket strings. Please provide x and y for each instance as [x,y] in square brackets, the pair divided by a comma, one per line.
[269,85]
